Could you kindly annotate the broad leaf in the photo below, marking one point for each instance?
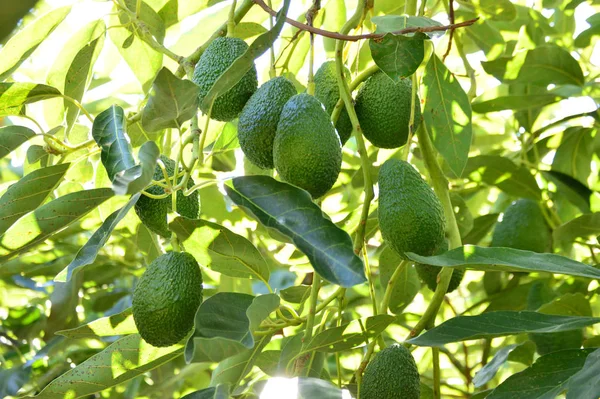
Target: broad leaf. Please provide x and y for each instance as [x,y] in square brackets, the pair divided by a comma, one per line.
[395,23]
[138,177]
[398,56]
[291,212]
[172,101]
[507,259]
[514,102]
[233,369]
[498,324]
[550,64]
[28,193]
[14,95]
[121,361]
[481,227]
[148,16]
[220,249]
[118,324]
[488,371]
[12,137]
[447,113]
[572,189]
[584,384]
[574,155]
[110,135]
[584,226]
[407,285]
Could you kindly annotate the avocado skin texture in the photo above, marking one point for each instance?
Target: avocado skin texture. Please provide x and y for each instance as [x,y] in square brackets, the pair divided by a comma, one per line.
[259,118]
[552,342]
[392,374]
[411,218]
[166,298]
[307,151]
[219,55]
[428,274]
[328,92]
[383,110]
[153,212]
[524,227]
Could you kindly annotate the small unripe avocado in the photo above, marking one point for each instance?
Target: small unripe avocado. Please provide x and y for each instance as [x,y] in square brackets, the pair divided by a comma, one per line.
[328,92]
[259,118]
[153,212]
[428,274]
[166,298]
[307,151]
[411,218]
[215,60]
[383,110]
[523,226]
[392,374]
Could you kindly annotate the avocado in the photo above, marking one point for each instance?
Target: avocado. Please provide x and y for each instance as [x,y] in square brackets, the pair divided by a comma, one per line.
[307,150]
[215,60]
[411,218]
[166,298]
[259,118]
[153,212]
[383,110]
[524,227]
[428,274]
[392,374]
[328,92]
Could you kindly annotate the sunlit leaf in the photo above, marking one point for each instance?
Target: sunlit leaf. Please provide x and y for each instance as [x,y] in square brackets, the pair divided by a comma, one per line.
[582,227]
[550,64]
[138,177]
[14,95]
[407,285]
[118,324]
[12,137]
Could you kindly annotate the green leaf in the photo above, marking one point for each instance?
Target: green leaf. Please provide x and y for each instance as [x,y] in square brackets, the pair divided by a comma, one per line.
[221,391]
[88,253]
[291,212]
[481,226]
[28,193]
[225,323]
[118,324]
[245,30]
[488,371]
[447,113]
[220,249]
[172,101]
[306,388]
[21,45]
[499,324]
[110,135]
[546,379]
[500,10]
[550,64]
[500,99]
[12,137]
[148,16]
[574,155]
[572,189]
[507,259]
[243,63]
[398,56]
[584,384]
[584,226]
[584,38]
[49,218]
[137,178]
[504,174]
[233,369]
[121,361]
[395,23]
[407,285]
[14,95]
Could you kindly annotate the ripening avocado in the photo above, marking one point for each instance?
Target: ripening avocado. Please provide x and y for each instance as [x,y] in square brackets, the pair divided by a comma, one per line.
[166,298]
[153,212]
[328,92]
[259,118]
[215,60]
[428,274]
[383,110]
[523,226]
[307,150]
[392,374]
[411,218]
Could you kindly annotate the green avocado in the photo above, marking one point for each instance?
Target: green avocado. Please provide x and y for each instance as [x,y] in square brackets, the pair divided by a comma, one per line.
[392,374]
[215,60]
[153,212]
[428,274]
[523,226]
[259,118]
[328,92]
[411,218]
[166,298]
[307,151]
[383,110]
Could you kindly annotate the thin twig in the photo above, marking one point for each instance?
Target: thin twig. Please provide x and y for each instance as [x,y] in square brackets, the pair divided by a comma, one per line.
[451,16]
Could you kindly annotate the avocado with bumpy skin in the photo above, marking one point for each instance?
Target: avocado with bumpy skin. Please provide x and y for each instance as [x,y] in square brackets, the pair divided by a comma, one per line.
[524,227]
[411,218]
[215,60]
[153,212]
[392,374]
[383,110]
[428,274]
[166,298]
[259,118]
[307,151]
[328,92]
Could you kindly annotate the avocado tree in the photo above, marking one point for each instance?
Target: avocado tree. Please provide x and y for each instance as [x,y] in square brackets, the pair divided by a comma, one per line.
[367,199]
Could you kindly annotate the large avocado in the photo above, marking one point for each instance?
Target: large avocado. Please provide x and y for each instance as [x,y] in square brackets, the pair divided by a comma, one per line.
[259,118]
[523,226]
[166,298]
[215,60]
[411,218]
[307,150]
